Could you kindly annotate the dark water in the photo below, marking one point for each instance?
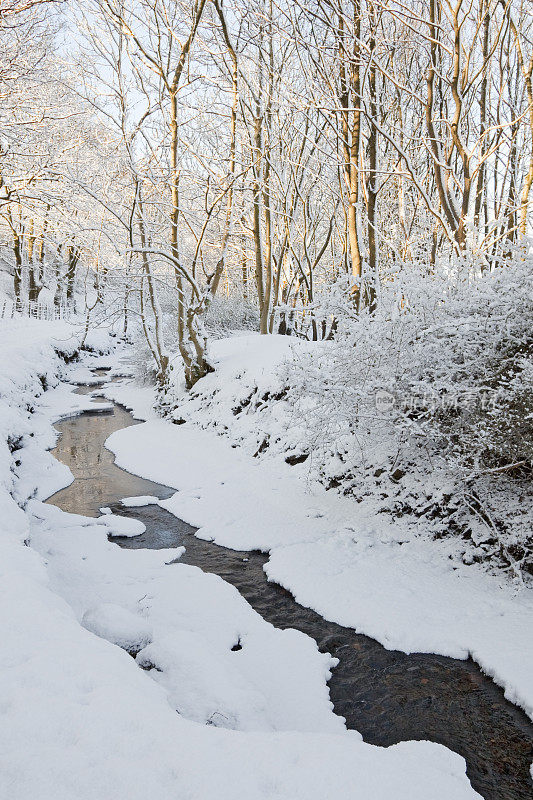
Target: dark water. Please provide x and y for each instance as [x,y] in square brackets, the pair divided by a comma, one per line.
[386,695]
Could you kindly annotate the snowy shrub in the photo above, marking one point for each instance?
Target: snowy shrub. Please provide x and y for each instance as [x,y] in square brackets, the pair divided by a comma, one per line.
[142,361]
[427,405]
[229,314]
[317,320]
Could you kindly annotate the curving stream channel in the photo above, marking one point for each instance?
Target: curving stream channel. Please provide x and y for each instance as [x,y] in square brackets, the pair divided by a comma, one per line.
[386,695]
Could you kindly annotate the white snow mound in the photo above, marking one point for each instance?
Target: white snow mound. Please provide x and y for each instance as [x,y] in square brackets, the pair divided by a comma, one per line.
[141,500]
[119,626]
[122,526]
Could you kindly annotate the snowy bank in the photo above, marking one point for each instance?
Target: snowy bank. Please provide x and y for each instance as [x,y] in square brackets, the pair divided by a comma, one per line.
[31,395]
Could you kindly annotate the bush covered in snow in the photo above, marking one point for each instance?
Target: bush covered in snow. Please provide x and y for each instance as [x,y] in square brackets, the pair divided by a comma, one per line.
[229,314]
[428,404]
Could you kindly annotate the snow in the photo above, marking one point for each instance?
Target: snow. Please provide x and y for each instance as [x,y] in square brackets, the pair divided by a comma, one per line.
[143,403]
[82,376]
[122,526]
[140,500]
[81,719]
[119,626]
[61,402]
[335,556]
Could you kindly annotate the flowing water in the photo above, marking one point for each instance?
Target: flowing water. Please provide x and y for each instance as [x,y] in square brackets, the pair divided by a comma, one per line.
[386,695]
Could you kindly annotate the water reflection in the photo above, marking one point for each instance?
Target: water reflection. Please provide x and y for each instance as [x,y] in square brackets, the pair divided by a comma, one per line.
[97,481]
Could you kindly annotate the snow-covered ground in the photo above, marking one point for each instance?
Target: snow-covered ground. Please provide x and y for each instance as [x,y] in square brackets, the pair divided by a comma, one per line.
[79,718]
[335,556]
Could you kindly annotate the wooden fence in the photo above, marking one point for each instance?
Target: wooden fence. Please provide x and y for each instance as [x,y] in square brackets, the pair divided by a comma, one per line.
[10,309]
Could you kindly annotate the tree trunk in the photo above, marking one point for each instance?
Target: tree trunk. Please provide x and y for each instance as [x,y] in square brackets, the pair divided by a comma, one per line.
[33,283]
[17,274]
[350,95]
[73,256]
[371,188]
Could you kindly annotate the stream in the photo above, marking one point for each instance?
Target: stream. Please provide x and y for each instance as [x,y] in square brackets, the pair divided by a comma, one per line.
[386,695]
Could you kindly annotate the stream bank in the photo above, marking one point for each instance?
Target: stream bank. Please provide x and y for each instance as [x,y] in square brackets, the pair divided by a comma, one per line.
[386,695]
